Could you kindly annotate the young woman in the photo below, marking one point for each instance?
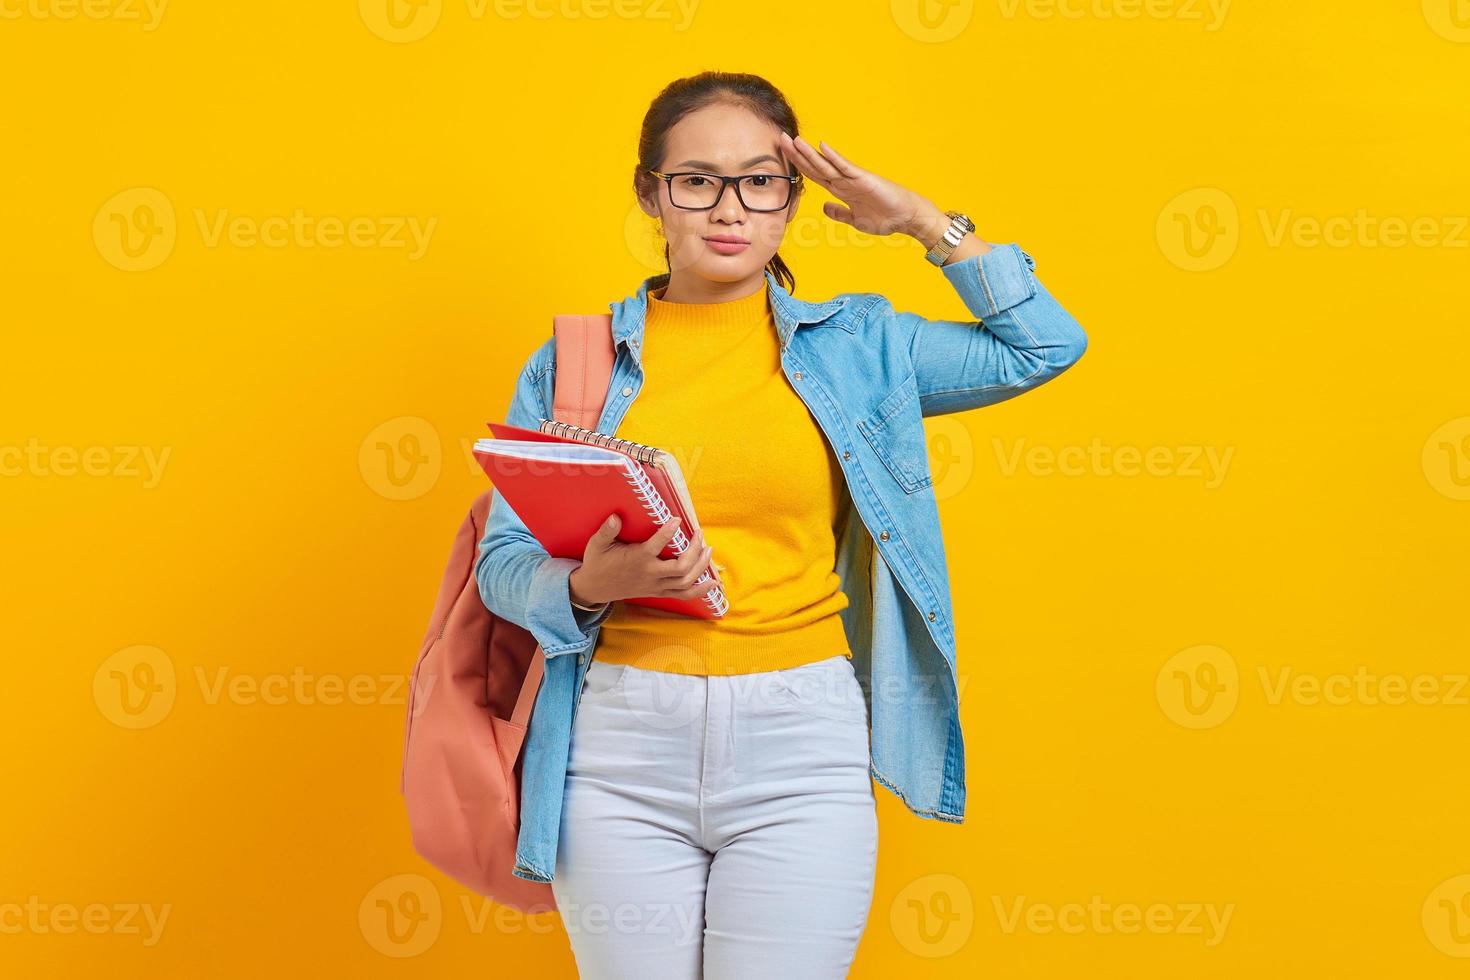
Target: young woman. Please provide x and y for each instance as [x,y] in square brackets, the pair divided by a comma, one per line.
[699,795]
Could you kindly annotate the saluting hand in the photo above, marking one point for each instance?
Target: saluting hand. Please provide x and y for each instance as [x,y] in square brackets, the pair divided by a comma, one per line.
[871,203]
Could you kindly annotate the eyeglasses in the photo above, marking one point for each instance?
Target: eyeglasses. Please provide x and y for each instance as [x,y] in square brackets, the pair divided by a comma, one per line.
[695,191]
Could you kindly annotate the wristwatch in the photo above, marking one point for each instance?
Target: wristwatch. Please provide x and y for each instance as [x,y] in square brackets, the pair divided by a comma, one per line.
[959,226]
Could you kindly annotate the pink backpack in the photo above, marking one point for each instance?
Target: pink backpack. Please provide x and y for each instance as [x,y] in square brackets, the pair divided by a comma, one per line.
[477,677]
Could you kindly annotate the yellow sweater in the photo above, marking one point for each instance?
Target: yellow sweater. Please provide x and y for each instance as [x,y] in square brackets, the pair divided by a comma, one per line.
[765,487]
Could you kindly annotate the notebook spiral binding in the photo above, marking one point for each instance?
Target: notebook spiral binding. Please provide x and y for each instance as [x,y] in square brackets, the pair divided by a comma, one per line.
[644,489]
[640,452]
[648,494]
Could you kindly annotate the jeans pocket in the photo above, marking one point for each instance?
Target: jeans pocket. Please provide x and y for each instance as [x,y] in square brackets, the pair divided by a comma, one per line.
[826,688]
[603,680]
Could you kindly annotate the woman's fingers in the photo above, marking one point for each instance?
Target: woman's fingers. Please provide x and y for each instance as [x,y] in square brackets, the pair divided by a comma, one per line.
[697,556]
[681,564]
[794,152]
[840,163]
[691,592]
[687,566]
[661,537]
[687,580]
[809,161]
[686,569]
[837,212]
[666,568]
[819,163]
[679,576]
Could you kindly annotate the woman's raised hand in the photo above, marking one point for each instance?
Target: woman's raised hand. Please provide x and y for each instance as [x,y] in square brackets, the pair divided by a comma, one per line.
[873,204]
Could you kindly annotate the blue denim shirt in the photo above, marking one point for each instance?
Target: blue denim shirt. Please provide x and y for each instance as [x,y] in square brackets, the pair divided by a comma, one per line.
[869,374]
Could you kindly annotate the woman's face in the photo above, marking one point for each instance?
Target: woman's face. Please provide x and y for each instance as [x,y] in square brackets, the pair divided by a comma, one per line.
[728,140]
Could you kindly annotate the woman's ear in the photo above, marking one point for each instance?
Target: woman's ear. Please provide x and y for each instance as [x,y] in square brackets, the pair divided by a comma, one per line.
[648,196]
[794,203]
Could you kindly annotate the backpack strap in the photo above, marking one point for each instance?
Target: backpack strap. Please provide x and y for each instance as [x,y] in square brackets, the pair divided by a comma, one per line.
[520,715]
[584,364]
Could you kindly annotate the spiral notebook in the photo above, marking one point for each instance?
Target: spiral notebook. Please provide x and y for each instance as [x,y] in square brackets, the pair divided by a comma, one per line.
[563,481]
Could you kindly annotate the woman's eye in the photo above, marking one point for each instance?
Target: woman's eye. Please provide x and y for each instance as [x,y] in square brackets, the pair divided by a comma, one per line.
[759,180]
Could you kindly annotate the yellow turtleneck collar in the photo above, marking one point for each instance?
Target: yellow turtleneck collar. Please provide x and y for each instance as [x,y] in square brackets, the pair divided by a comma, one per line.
[710,317]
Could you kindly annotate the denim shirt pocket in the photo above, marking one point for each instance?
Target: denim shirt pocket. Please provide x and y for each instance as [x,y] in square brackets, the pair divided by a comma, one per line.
[895,431]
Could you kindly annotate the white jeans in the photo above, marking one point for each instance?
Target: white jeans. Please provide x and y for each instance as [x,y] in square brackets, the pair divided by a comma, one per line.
[717,826]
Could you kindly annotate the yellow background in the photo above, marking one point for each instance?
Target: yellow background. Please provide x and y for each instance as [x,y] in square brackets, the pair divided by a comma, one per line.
[1122,638]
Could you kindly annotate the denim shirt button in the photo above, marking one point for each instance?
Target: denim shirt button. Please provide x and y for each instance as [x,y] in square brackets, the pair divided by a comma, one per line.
[627,391]
[846,454]
[883,536]
[797,375]
[582,657]
[931,616]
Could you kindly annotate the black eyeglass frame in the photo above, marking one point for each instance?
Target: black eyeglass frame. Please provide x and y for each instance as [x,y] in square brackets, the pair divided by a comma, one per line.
[793,181]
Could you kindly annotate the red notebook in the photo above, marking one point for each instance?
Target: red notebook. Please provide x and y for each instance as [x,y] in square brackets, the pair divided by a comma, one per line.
[563,481]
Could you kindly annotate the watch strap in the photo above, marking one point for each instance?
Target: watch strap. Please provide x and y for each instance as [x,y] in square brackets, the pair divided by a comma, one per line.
[959,226]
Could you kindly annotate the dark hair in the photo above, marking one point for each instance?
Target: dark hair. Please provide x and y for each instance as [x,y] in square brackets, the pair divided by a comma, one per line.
[685,95]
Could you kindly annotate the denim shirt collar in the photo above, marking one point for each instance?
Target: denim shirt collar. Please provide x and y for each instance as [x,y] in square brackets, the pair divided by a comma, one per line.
[788,312]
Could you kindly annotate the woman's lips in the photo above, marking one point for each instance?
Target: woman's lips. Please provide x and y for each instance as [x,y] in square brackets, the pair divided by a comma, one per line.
[727,248]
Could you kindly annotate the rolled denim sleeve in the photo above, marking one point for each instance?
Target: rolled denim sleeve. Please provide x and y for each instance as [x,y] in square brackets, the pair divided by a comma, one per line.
[1021,339]
[994,282]
[518,579]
